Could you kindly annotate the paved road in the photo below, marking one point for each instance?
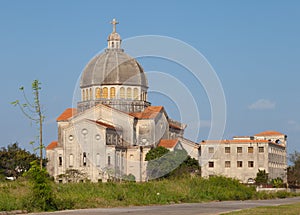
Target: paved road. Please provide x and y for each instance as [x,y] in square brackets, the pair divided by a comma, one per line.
[178,209]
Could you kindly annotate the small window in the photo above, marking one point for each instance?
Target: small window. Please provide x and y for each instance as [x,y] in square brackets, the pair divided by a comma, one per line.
[108,160]
[98,159]
[250,164]
[227,164]
[250,149]
[211,150]
[261,149]
[87,94]
[122,93]
[227,149]
[60,160]
[84,159]
[91,94]
[112,92]
[239,164]
[71,164]
[129,93]
[98,93]
[211,164]
[136,93]
[239,150]
[105,93]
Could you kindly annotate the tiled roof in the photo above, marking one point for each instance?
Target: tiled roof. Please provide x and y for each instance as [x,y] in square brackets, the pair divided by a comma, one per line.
[52,145]
[150,112]
[233,141]
[68,113]
[174,126]
[269,133]
[237,141]
[168,143]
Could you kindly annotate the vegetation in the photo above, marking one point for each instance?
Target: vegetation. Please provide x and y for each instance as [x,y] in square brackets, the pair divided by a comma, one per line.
[40,196]
[163,163]
[33,111]
[14,161]
[261,177]
[14,195]
[290,209]
[293,172]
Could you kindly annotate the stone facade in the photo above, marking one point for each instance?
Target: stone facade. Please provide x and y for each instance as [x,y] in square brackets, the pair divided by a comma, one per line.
[242,157]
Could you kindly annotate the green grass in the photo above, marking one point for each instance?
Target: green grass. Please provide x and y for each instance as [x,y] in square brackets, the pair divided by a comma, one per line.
[292,209]
[91,195]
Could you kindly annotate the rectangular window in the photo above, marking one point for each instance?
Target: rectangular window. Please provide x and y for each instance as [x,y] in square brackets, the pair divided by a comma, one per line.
[84,159]
[211,164]
[108,160]
[71,160]
[239,150]
[250,149]
[60,160]
[211,149]
[227,164]
[227,149]
[250,163]
[239,164]
[261,149]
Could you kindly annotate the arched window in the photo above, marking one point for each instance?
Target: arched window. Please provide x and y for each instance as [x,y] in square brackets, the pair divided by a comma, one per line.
[98,93]
[91,94]
[112,92]
[83,95]
[135,93]
[122,93]
[87,94]
[129,93]
[71,164]
[112,44]
[98,159]
[105,93]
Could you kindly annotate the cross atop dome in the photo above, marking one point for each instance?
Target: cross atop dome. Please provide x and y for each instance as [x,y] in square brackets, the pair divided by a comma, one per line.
[114,39]
[114,22]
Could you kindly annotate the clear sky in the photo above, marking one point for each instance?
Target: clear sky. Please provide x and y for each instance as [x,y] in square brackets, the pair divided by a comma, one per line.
[253,47]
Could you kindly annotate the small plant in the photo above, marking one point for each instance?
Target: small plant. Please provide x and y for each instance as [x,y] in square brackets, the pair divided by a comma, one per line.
[41,195]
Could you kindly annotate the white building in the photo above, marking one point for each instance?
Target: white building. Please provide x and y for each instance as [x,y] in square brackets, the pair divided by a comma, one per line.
[242,157]
[114,126]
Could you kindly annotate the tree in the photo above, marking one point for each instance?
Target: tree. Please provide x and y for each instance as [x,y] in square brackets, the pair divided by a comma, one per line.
[33,111]
[164,163]
[261,177]
[155,153]
[293,171]
[14,161]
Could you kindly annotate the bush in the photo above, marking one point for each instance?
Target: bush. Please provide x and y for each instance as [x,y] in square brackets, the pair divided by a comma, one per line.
[41,195]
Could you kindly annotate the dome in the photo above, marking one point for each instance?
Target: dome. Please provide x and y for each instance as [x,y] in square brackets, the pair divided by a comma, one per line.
[113,67]
[114,36]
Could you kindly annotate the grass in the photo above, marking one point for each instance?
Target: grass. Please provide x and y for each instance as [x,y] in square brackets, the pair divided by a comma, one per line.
[291,209]
[91,195]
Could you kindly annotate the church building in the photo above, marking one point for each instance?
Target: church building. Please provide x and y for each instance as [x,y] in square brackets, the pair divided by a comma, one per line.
[114,125]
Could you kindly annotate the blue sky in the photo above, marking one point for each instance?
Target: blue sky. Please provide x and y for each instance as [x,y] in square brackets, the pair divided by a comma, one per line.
[253,47]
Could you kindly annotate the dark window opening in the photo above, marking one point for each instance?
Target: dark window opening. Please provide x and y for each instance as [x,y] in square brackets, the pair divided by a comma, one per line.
[84,159]
[60,160]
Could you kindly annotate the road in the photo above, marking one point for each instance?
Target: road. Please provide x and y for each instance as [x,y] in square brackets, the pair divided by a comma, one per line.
[178,209]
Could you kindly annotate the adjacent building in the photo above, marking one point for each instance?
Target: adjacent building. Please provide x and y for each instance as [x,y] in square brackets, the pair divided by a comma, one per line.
[243,156]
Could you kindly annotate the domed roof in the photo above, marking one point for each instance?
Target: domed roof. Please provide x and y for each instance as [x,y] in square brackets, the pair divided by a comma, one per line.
[113,67]
[114,36]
